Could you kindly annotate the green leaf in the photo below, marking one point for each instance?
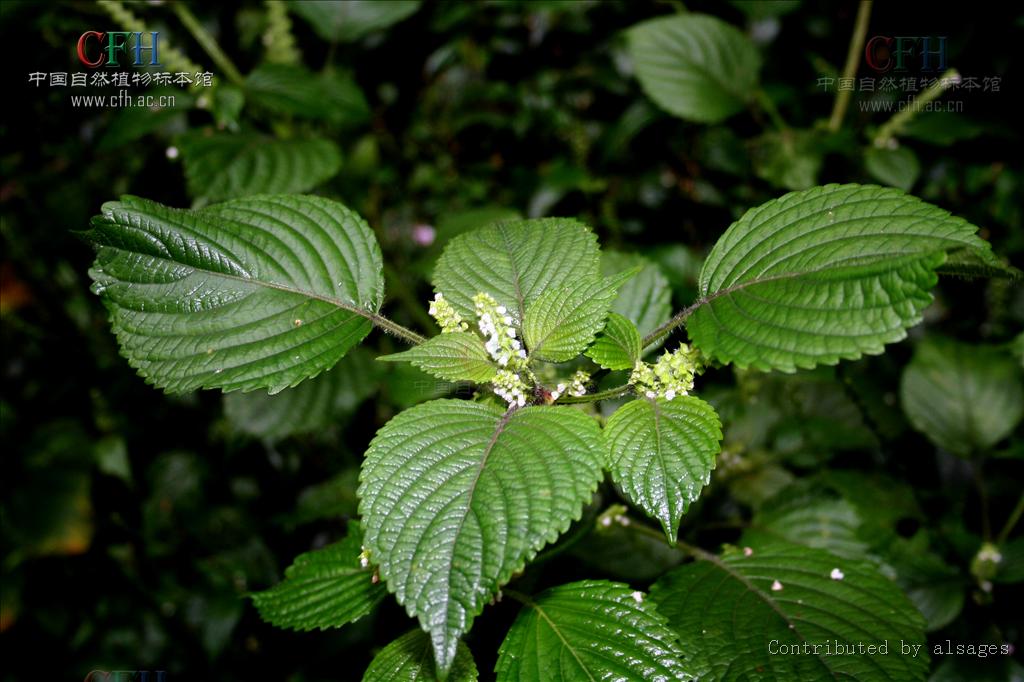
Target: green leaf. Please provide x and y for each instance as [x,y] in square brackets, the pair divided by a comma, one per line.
[224,165]
[325,588]
[344,21]
[789,159]
[830,273]
[564,320]
[409,658]
[310,407]
[661,453]
[457,496]
[618,346]
[807,519]
[734,612]
[646,299]
[254,293]
[964,398]
[695,66]
[456,356]
[590,630]
[133,123]
[973,262]
[296,91]
[895,167]
[515,262]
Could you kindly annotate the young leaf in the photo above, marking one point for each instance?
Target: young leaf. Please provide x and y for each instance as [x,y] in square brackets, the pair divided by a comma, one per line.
[409,659]
[254,293]
[964,398]
[661,453]
[695,66]
[515,262]
[807,519]
[646,300]
[456,356]
[895,167]
[590,630]
[736,612]
[225,165]
[618,346]
[563,320]
[296,91]
[311,406]
[457,496]
[829,273]
[344,21]
[325,588]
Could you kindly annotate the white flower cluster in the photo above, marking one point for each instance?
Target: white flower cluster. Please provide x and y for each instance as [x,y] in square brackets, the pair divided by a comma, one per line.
[447,317]
[577,386]
[509,386]
[496,326]
[670,376]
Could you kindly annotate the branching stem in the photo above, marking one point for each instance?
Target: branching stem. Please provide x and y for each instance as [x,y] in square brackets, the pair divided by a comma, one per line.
[594,397]
[891,128]
[860,31]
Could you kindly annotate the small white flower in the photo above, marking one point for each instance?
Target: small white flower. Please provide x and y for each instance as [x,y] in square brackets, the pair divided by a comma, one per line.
[638,597]
[836,574]
[512,332]
[501,309]
[776,586]
[748,551]
[670,394]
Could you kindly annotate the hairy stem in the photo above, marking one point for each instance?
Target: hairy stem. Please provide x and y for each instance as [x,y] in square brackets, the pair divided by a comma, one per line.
[208,43]
[678,319]
[174,59]
[894,126]
[391,327]
[594,397]
[860,31]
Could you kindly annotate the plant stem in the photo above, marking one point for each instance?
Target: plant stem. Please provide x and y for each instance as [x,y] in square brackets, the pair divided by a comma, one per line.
[693,551]
[894,125]
[1015,515]
[768,106]
[678,319]
[391,327]
[594,397]
[174,59]
[979,482]
[208,43]
[860,31]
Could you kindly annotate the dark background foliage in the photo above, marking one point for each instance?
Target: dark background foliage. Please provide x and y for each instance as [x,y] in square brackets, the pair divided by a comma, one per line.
[134,522]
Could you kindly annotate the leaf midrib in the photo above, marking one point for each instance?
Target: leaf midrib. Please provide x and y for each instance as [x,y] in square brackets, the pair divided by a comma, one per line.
[498,430]
[558,633]
[337,302]
[756,591]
